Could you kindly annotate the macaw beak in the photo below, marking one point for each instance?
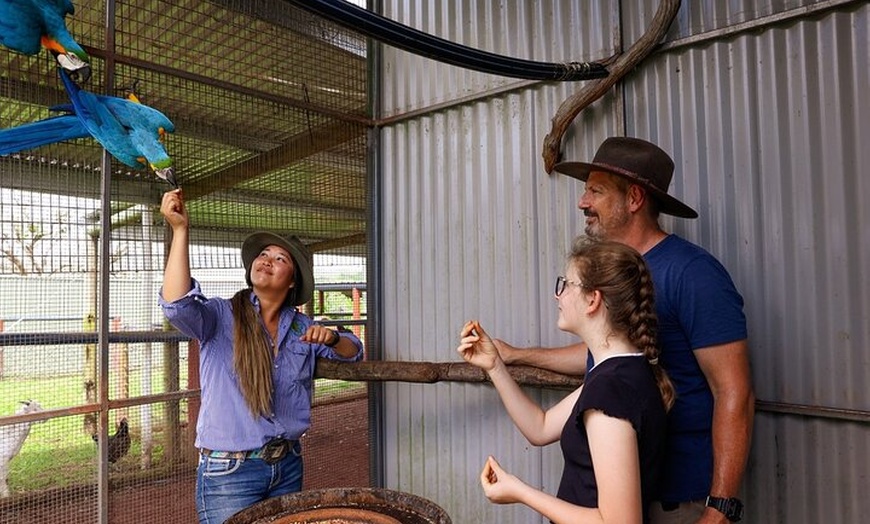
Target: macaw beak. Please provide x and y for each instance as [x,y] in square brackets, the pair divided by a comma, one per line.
[168,174]
[75,64]
[79,70]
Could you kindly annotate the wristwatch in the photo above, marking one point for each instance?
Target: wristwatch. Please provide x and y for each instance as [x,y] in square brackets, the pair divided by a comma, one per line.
[732,508]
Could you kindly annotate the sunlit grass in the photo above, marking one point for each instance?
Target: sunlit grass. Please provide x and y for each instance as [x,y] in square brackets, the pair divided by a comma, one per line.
[61,452]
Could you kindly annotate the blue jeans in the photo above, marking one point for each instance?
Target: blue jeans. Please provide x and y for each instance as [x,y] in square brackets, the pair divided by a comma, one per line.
[226,486]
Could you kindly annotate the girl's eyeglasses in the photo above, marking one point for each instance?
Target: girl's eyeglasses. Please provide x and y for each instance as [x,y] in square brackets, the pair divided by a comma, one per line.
[561,282]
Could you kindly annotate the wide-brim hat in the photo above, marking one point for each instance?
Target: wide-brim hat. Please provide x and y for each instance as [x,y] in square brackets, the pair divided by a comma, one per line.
[302,259]
[641,162]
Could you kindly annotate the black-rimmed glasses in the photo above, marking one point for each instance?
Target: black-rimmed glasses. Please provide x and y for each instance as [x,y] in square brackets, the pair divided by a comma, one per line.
[561,282]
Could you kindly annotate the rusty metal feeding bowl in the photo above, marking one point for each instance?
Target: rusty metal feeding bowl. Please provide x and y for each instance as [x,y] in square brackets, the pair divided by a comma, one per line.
[344,506]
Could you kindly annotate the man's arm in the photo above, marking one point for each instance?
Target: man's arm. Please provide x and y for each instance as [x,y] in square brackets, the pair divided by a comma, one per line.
[568,360]
[727,370]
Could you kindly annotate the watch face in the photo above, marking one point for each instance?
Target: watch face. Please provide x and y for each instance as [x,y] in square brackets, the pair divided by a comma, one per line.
[734,509]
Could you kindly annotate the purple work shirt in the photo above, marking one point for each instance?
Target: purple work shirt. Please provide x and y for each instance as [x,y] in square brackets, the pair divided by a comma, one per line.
[225,422]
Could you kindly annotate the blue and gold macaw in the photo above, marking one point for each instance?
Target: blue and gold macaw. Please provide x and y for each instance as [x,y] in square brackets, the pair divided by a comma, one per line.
[132,132]
[27,25]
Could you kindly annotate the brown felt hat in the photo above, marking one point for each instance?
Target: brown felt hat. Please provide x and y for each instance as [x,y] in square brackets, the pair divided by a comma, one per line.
[302,259]
[641,162]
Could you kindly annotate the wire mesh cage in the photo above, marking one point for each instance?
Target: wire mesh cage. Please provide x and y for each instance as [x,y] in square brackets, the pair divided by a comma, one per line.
[269,113]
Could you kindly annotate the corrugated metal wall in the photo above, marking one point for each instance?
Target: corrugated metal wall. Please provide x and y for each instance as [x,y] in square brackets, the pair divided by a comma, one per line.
[764,106]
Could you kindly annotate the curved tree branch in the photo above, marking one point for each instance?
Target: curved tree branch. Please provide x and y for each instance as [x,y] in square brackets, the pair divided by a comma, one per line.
[618,66]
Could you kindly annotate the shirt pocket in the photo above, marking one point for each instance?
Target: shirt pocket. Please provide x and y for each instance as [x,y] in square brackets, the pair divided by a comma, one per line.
[295,366]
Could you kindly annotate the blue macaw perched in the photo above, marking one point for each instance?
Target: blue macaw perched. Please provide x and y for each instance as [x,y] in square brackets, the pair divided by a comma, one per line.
[25,25]
[132,132]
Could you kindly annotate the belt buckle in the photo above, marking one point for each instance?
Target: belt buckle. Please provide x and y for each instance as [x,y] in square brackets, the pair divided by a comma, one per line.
[275,450]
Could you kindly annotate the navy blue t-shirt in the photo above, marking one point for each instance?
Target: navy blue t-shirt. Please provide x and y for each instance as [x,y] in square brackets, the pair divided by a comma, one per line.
[697,307]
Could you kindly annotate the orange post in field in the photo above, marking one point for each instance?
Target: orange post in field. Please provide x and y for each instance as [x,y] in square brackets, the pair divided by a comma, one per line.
[356,310]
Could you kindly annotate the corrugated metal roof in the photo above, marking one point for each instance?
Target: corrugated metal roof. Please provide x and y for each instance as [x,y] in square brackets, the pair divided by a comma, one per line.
[269,105]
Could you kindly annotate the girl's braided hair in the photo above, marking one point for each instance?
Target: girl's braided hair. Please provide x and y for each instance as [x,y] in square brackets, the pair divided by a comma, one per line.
[621,275]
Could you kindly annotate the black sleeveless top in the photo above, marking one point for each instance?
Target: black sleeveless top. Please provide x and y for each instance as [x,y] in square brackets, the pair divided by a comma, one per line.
[622,387]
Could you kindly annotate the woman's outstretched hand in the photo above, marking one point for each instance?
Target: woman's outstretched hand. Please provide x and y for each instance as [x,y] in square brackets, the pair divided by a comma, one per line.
[476,347]
[173,209]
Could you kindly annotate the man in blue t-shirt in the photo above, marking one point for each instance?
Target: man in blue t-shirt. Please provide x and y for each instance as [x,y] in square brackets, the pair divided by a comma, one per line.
[702,331]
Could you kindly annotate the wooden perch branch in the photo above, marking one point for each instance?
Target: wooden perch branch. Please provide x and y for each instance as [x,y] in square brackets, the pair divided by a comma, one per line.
[619,66]
[431,372]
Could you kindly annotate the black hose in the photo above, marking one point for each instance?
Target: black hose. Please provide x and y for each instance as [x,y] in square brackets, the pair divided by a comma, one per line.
[409,39]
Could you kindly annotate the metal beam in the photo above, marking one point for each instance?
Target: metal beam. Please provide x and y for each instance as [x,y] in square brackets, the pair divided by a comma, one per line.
[326,245]
[281,201]
[297,148]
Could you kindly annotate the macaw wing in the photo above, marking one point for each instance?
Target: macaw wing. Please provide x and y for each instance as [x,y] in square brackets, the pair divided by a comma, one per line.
[63,108]
[86,105]
[43,132]
[20,26]
[64,7]
[124,149]
[53,19]
[144,124]
[151,148]
[101,123]
[134,114]
[115,135]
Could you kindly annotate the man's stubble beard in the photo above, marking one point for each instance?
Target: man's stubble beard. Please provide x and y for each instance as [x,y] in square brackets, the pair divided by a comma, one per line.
[598,231]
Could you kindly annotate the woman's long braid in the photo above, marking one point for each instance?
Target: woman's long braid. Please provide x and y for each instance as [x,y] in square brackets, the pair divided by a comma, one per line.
[252,354]
[622,277]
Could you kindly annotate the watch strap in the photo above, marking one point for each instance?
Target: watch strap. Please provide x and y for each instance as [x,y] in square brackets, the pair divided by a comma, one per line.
[731,507]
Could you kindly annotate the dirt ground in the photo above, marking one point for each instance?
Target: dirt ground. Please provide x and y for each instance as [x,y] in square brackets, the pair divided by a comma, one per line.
[335,451]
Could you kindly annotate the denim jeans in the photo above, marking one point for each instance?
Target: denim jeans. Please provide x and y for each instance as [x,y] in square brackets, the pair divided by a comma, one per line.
[226,486]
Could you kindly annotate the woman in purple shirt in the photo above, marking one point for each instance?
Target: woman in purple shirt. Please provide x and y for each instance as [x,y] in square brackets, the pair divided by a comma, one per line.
[612,428]
[257,355]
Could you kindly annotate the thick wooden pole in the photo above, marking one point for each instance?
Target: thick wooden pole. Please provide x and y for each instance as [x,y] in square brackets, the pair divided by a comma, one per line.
[430,372]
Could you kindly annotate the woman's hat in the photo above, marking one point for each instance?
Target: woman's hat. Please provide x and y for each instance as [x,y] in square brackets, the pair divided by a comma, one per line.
[302,259]
[641,162]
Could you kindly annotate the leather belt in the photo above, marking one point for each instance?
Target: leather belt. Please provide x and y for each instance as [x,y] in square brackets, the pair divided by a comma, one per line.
[271,452]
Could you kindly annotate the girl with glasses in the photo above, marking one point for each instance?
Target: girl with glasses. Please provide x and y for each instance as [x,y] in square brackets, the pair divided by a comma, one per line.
[611,429]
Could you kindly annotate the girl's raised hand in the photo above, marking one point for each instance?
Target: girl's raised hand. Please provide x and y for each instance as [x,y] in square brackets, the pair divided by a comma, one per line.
[476,346]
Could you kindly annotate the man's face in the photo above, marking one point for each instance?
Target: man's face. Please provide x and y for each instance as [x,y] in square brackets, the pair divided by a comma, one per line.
[605,206]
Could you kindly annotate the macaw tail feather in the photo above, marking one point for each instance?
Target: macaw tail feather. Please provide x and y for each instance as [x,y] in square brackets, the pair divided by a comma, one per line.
[43,132]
